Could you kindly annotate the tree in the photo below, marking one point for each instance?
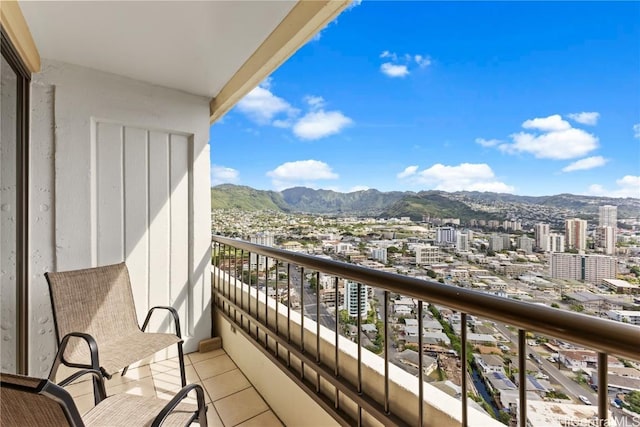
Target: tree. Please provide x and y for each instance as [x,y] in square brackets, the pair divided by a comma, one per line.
[633,401]
[431,273]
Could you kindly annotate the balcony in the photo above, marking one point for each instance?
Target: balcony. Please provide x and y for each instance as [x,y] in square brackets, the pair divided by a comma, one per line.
[120,170]
[328,374]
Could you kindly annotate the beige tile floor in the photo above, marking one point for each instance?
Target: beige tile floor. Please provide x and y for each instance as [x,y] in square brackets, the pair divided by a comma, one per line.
[231,398]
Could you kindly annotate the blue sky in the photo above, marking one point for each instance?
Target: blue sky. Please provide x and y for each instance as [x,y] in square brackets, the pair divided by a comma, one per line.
[530,98]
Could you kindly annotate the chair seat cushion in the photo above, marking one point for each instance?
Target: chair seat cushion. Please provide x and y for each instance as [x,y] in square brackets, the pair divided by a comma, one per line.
[123,351]
[131,410]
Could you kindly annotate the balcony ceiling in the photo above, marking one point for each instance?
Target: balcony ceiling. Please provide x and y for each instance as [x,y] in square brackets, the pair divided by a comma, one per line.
[193,46]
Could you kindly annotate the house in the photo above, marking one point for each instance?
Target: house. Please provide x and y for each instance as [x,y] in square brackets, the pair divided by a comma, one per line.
[489,363]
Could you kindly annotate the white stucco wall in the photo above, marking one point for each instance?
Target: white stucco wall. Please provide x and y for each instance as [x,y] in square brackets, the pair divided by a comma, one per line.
[119,171]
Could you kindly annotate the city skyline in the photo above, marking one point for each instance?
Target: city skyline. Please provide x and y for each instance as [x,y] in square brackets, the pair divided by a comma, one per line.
[441,99]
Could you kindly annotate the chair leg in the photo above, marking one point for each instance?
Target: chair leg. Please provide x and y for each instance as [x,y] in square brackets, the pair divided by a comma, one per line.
[183,375]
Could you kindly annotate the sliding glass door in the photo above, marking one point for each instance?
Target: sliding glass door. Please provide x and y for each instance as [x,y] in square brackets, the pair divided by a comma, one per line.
[14,106]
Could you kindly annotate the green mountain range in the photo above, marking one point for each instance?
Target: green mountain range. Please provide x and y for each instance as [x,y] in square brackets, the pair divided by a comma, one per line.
[439,204]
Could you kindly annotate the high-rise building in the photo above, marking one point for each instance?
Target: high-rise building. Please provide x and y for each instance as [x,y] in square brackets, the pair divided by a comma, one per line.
[265,239]
[556,242]
[379,254]
[445,236]
[462,242]
[542,232]
[525,243]
[351,299]
[608,216]
[588,268]
[606,239]
[576,234]
[496,243]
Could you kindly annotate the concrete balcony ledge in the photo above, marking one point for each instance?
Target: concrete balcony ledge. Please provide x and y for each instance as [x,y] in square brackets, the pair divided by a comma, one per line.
[291,403]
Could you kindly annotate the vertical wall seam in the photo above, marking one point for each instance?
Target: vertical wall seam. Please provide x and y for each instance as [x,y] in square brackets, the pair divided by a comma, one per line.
[123,197]
[95,169]
[148,231]
[170,228]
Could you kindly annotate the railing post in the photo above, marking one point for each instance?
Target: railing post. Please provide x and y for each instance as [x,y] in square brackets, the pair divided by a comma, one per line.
[463,363]
[603,389]
[522,375]
[386,351]
[420,366]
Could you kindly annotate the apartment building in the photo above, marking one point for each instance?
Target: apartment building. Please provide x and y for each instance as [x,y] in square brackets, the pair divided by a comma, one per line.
[427,254]
[576,234]
[606,239]
[589,268]
[351,299]
[608,216]
[542,232]
[555,243]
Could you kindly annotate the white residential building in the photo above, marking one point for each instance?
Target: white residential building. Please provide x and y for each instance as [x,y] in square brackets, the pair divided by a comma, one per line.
[379,254]
[351,299]
[542,236]
[427,254]
[525,243]
[462,242]
[627,316]
[589,268]
[446,236]
[555,243]
[606,239]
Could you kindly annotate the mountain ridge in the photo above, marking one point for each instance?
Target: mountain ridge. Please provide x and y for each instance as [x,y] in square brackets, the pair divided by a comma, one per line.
[433,203]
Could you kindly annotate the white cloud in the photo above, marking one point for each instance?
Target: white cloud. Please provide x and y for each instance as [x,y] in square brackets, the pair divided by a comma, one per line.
[387,54]
[301,172]
[354,4]
[585,164]
[422,61]
[547,124]
[351,6]
[488,142]
[408,171]
[315,102]
[223,175]
[399,65]
[261,105]
[560,145]
[585,118]
[636,130]
[465,176]
[628,186]
[358,188]
[393,70]
[319,124]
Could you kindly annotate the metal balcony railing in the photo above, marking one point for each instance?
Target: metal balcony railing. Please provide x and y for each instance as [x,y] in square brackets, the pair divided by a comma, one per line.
[329,382]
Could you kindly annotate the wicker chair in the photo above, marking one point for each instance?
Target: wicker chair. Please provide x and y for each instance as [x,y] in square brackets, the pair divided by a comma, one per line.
[96,322]
[30,402]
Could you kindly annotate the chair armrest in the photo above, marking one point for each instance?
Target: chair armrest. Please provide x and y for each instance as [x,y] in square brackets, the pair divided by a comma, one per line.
[97,375]
[201,415]
[173,312]
[93,349]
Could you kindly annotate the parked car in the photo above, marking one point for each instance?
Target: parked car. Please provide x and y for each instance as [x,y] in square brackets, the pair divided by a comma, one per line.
[584,400]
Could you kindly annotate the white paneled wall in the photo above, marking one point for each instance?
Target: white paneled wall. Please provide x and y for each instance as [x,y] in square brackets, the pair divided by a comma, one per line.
[129,180]
[142,192]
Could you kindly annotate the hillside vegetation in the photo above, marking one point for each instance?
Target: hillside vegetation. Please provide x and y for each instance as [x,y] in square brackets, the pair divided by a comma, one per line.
[439,204]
